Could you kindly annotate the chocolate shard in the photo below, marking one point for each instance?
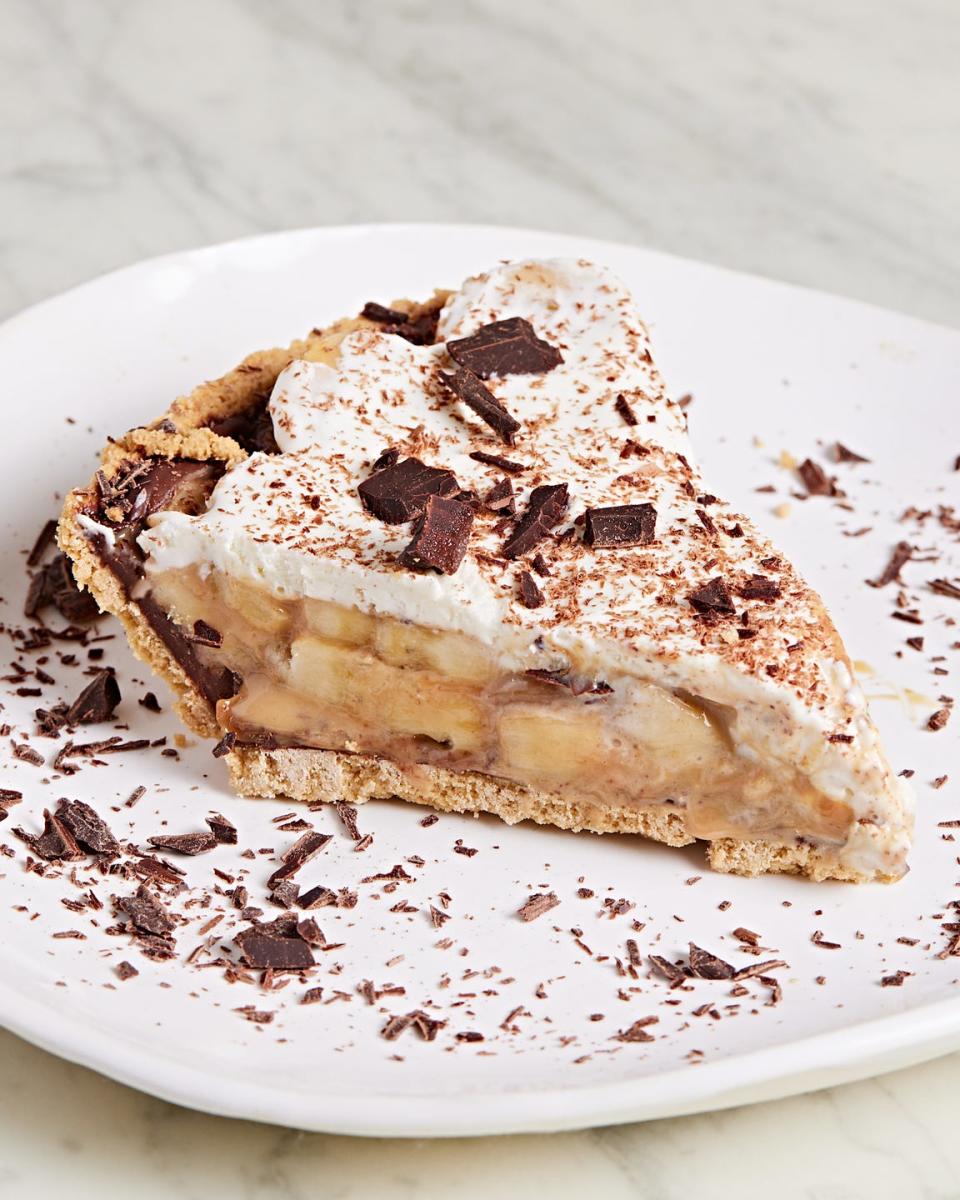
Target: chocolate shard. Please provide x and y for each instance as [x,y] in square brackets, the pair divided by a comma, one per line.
[900,556]
[88,827]
[317,897]
[509,347]
[222,829]
[501,499]
[536,905]
[147,913]
[713,599]
[944,587]
[225,745]
[759,587]
[268,951]
[399,492]
[578,685]
[54,584]
[478,397]
[373,311]
[185,843]
[96,702]
[44,541]
[298,855]
[419,331]
[545,510]
[670,971]
[705,965]
[627,414]
[620,525]
[530,594]
[55,843]
[440,538]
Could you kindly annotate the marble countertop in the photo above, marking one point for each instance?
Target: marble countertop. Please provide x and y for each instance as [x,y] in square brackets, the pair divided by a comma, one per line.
[807,141]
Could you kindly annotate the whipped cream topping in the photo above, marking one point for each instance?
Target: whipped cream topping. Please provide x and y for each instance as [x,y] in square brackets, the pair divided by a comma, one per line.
[293,523]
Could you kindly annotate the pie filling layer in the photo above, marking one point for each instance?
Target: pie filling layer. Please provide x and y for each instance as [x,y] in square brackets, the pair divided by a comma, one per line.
[317,674]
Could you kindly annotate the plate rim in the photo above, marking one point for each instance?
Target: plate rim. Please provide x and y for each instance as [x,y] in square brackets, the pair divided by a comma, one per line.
[856,1051]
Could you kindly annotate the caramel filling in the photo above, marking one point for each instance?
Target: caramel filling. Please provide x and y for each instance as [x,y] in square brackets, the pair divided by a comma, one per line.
[321,675]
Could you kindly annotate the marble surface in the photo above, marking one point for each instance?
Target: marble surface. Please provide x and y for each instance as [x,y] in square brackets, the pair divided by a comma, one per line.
[808,141]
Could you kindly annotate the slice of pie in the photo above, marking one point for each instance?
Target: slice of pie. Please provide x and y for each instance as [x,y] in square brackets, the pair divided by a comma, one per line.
[459,553]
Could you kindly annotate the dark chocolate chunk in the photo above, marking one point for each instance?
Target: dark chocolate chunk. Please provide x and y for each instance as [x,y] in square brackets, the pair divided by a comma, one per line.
[285,893]
[625,411]
[667,969]
[185,843]
[545,510]
[268,951]
[348,815]
[500,498]
[147,913]
[497,460]
[54,584]
[507,347]
[387,458]
[383,315]
[705,965]
[222,829]
[150,702]
[399,492]
[252,428]
[317,897]
[530,594]
[938,720]
[536,905]
[713,599]
[206,635]
[55,843]
[419,331]
[43,542]
[759,587]
[816,480]
[478,397]
[620,525]
[299,854]
[97,701]
[225,745]
[125,970]
[88,827]
[311,932]
[440,538]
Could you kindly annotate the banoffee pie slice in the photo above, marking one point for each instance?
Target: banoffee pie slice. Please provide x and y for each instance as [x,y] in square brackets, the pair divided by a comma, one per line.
[459,553]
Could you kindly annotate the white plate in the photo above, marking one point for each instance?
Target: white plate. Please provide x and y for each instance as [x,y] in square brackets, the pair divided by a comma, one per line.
[763,360]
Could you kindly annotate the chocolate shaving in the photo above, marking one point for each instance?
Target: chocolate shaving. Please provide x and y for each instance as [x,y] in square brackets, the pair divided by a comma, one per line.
[88,827]
[620,525]
[637,1032]
[478,397]
[625,411]
[97,701]
[536,905]
[185,843]
[705,965]
[816,480]
[509,347]
[399,492]
[496,460]
[713,599]
[545,510]
[759,587]
[936,721]
[818,940]
[530,594]
[844,455]
[943,587]
[383,315]
[902,553]
[440,538]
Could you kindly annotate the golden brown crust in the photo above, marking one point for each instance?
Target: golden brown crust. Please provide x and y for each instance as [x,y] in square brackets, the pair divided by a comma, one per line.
[329,775]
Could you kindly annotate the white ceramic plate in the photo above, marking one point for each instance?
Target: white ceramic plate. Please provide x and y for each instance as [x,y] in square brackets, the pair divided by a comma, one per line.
[764,361]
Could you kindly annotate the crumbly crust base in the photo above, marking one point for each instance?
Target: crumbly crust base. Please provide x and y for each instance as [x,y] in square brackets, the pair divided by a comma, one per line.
[326,775]
[330,775]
